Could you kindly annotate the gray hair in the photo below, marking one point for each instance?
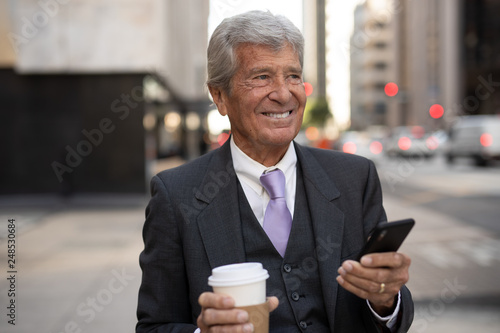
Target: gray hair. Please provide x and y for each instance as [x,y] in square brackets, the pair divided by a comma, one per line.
[254,27]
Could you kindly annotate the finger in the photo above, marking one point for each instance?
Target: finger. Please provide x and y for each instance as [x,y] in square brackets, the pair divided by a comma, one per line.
[273,303]
[371,286]
[394,277]
[211,317]
[245,328]
[352,267]
[387,259]
[385,299]
[218,301]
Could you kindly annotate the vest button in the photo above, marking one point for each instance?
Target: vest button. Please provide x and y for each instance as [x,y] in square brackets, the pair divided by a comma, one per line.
[295,296]
[287,268]
[303,324]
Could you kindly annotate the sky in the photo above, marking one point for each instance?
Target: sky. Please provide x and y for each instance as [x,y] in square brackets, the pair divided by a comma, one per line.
[339,29]
[220,9]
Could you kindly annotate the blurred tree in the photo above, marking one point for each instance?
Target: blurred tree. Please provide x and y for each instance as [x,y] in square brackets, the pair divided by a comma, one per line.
[317,112]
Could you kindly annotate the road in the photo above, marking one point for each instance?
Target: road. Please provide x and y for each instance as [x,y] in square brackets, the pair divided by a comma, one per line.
[463,191]
[455,245]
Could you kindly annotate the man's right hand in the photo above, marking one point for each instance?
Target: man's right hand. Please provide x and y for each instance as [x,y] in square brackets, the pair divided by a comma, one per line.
[218,314]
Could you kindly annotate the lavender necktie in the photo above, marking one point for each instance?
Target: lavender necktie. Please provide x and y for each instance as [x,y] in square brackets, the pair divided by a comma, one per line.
[277,220]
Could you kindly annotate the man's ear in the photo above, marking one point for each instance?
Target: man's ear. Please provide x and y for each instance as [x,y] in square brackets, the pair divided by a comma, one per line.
[219,97]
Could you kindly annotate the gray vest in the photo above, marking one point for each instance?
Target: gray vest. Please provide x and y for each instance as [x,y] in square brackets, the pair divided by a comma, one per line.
[293,279]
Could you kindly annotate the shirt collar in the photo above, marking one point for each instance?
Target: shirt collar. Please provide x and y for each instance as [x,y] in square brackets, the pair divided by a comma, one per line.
[249,170]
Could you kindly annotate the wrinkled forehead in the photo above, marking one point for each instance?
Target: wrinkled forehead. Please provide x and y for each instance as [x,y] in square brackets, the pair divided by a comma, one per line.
[248,54]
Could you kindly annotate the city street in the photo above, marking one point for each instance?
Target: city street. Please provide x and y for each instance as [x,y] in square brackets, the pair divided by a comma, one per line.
[77,270]
[455,245]
[98,96]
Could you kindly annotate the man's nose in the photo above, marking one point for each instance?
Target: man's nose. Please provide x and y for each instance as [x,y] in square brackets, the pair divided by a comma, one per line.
[281,91]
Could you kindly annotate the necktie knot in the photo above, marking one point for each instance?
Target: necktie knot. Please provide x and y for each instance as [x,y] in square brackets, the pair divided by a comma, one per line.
[274,182]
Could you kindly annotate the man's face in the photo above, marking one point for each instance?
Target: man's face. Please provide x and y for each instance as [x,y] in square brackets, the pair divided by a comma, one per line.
[267,98]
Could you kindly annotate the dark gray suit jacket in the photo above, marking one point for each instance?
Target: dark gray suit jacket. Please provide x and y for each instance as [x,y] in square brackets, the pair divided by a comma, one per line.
[192,225]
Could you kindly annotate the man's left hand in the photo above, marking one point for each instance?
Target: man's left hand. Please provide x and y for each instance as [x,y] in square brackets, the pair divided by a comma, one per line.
[378,277]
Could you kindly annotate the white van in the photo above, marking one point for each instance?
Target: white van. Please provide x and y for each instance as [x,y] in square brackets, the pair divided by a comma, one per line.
[476,137]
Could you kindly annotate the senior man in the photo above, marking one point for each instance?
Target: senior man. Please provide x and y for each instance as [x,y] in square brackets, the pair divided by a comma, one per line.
[212,211]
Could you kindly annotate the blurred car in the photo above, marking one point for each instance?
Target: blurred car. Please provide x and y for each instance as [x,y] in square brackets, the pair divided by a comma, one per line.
[360,143]
[475,137]
[411,141]
[440,139]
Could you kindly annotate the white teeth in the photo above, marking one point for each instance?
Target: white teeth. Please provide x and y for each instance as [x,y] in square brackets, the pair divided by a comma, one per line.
[278,115]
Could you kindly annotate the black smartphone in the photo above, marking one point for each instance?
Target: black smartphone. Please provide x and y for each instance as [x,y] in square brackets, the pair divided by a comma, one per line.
[387,237]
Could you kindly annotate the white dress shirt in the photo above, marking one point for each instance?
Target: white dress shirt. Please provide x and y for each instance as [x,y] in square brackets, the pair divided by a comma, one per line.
[249,171]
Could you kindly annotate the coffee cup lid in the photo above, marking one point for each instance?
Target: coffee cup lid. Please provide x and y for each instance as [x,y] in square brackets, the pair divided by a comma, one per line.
[237,274]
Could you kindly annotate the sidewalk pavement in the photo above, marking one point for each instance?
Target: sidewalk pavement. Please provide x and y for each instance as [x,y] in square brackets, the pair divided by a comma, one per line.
[454,275]
[77,267]
[76,262]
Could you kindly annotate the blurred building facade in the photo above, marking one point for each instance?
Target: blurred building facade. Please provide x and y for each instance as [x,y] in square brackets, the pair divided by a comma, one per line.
[415,46]
[315,48]
[86,86]
[441,52]
[319,121]
[481,60]
[372,64]
[428,57]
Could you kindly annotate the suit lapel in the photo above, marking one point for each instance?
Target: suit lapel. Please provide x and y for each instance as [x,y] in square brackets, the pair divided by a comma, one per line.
[219,222]
[328,225]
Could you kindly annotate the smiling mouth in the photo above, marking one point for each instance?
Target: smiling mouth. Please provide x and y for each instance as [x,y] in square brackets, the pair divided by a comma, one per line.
[278,115]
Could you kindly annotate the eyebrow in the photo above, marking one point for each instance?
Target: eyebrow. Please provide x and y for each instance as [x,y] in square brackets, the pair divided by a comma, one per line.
[294,69]
[257,70]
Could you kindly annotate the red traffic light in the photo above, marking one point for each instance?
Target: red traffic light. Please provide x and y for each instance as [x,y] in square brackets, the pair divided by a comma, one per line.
[436,111]
[391,89]
[309,88]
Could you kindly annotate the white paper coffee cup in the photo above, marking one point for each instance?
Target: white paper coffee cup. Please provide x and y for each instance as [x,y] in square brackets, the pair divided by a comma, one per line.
[244,282]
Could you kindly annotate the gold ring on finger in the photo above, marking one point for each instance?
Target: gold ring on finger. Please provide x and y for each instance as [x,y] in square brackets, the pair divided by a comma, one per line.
[382,288]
